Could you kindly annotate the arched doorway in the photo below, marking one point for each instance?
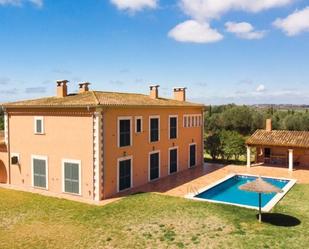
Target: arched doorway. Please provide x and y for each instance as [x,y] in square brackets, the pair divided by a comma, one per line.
[3,173]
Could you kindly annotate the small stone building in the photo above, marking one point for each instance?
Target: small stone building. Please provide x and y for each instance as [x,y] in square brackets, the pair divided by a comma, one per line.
[279,147]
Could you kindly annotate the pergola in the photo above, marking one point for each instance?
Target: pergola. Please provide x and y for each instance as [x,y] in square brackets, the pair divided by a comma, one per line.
[289,142]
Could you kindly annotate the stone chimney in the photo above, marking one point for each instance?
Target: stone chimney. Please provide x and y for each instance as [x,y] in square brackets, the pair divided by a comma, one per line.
[269,125]
[180,93]
[62,88]
[154,91]
[83,87]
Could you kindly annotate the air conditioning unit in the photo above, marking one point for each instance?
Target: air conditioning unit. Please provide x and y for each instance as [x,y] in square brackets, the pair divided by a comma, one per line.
[14,160]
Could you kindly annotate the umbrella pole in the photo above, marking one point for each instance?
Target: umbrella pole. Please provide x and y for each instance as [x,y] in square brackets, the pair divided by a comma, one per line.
[260,207]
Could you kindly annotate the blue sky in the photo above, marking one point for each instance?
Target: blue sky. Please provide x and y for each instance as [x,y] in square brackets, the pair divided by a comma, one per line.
[240,51]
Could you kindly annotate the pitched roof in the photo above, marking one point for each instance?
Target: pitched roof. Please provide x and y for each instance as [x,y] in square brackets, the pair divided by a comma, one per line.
[98,98]
[299,139]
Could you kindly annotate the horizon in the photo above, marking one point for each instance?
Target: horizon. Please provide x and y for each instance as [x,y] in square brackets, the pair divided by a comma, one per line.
[247,54]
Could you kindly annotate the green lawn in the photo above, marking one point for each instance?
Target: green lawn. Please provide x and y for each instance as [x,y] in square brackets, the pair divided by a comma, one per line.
[147,221]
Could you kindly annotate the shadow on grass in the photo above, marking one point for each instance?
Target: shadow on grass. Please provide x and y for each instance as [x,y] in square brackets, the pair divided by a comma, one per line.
[281,220]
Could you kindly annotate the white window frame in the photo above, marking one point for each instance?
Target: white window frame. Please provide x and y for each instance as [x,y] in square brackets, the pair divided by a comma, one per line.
[189,156]
[169,128]
[169,161]
[120,159]
[150,153]
[136,118]
[118,131]
[159,127]
[79,162]
[39,157]
[35,125]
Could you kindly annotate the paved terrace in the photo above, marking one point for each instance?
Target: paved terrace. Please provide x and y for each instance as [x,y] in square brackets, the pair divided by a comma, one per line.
[191,180]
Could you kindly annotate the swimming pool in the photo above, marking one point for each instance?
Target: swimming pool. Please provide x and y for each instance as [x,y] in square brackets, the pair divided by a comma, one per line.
[227,191]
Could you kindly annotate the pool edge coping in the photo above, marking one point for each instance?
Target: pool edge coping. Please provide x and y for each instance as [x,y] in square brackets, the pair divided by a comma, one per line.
[267,207]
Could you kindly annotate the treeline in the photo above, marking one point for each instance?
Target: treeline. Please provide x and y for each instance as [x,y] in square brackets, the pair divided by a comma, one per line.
[228,126]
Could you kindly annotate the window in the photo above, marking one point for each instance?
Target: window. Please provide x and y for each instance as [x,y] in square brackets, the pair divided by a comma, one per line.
[124,174]
[71,176]
[38,125]
[267,152]
[124,132]
[192,120]
[154,129]
[173,120]
[138,125]
[173,160]
[192,155]
[39,172]
[185,124]
[154,165]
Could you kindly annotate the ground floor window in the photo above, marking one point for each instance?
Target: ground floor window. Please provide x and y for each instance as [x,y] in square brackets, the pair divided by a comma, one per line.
[154,165]
[124,174]
[192,155]
[71,171]
[173,160]
[39,167]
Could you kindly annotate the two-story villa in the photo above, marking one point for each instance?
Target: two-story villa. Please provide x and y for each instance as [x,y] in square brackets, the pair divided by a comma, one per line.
[95,144]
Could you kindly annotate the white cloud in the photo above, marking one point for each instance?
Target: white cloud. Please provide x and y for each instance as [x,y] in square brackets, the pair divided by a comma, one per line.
[210,9]
[244,30]
[295,23]
[260,88]
[196,32]
[38,3]
[134,5]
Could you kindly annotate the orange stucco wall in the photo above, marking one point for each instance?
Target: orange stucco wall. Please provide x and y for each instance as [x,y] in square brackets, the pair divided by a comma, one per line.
[141,145]
[67,136]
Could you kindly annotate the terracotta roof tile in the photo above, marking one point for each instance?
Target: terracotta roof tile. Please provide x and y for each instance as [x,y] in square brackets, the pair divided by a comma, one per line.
[299,139]
[97,98]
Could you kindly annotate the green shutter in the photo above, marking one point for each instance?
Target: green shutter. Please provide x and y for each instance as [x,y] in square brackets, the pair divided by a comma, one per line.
[39,173]
[71,178]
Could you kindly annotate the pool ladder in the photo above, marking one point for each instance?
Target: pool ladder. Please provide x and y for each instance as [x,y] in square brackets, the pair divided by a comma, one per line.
[192,189]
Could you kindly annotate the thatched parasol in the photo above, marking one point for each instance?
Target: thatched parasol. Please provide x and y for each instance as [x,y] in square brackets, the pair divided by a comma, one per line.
[260,186]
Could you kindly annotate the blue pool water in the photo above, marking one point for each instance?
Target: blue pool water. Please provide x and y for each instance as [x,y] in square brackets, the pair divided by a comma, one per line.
[228,191]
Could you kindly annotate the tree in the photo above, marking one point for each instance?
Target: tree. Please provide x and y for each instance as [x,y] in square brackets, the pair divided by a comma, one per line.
[232,144]
[213,145]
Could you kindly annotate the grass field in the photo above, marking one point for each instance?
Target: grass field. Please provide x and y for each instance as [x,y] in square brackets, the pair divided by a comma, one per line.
[149,221]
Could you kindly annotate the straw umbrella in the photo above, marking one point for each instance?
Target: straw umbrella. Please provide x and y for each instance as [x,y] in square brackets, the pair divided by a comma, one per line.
[260,186]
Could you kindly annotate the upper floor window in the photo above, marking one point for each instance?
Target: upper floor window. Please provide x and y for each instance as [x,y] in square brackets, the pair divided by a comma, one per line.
[138,125]
[124,132]
[192,120]
[173,127]
[38,125]
[154,129]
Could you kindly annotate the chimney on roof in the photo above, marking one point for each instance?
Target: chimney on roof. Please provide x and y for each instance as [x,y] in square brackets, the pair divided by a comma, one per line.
[154,91]
[269,125]
[83,87]
[180,93]
[62,88]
